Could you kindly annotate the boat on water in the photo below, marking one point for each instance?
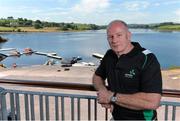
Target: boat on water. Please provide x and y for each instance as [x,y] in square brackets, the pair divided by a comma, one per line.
[28,51]
[83,64]
[97,55]
[14,53]
[2,56]
[10,52]
[53,57]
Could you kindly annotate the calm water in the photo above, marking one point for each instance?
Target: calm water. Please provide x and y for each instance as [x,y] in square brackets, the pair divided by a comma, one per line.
[166,45]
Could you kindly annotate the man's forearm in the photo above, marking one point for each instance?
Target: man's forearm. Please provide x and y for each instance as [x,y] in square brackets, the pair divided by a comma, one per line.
[139,101]
[98,82]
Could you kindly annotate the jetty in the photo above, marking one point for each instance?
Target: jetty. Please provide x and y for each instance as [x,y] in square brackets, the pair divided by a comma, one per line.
[2,56]
[52,55]
[97,55]
[7,49]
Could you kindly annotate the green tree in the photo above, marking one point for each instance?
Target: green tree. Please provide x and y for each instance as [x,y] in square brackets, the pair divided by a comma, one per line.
[38,21]
[94,27]
[37,26]
[28,23]
[65,28]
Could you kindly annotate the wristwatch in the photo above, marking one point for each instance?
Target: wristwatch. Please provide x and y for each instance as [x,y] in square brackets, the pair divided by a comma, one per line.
[113,98]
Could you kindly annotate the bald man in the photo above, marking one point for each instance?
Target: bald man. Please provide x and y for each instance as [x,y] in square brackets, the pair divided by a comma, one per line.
[133,76]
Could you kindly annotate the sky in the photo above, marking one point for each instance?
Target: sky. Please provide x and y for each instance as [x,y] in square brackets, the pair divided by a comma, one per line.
[99,12]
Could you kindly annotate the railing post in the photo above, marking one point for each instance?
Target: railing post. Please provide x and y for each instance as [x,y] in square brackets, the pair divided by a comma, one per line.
[72,108]
[12,105]
[41,107]
[3,109]
[62,109]
[95,109]
[78,109]
[17,106]
[166,112]
[32,107]
[89,109]
[174,113]
[26,102]
[47,107]
[56,108]
[106,114]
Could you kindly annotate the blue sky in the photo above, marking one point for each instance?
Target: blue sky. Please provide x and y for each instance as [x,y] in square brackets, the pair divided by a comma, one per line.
[99,12]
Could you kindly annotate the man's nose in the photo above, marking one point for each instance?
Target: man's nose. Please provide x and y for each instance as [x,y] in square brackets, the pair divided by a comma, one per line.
[114,39]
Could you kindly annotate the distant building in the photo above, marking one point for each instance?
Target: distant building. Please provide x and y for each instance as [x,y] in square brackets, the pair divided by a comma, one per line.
[13,24]
[10,18]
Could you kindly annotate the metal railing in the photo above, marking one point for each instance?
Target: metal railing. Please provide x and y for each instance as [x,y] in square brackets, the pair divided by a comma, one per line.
[168,105]
[33,105]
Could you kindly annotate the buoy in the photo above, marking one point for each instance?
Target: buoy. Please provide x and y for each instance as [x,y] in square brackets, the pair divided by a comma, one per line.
[14,65]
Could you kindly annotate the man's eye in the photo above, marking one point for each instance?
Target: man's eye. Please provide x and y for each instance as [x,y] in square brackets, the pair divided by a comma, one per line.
[110,37]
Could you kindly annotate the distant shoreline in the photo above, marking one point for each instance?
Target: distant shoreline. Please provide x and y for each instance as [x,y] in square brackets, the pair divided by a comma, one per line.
[32,29]
[55,29]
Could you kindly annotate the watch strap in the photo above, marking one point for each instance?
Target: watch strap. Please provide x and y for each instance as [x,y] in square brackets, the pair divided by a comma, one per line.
[114,95]
[113,98]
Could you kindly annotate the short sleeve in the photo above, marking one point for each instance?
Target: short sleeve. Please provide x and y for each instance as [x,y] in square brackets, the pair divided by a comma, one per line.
[101,70]
[151,79]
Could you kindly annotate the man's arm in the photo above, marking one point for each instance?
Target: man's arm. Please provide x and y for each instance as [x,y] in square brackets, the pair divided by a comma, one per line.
[98,82]
[139,101]
[99,85]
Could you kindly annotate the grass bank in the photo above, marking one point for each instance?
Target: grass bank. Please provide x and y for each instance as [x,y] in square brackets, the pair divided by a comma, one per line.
[32,29]
[169,28]
[174,67]
[28,29]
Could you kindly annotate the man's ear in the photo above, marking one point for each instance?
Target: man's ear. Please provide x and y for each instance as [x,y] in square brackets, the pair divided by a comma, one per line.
[129,35]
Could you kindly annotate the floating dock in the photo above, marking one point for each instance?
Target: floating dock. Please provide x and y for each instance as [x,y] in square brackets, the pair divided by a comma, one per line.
[7,49]
[51,55]
[97,55]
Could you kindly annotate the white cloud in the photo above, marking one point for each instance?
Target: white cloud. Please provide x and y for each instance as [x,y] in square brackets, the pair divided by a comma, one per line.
[89,6]
[177,13]
[136,5]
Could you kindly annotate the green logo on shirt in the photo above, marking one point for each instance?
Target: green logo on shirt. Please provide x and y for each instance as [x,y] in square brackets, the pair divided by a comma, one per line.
[130,74]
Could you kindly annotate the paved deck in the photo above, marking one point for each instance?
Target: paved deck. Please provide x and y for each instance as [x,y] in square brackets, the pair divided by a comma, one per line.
[171,79]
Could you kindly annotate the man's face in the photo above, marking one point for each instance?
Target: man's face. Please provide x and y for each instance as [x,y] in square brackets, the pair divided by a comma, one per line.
[118,37]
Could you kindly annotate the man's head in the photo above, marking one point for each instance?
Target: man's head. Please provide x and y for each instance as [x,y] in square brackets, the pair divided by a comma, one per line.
[119,37]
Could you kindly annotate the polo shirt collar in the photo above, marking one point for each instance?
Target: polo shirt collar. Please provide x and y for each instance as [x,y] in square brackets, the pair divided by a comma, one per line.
[137,48]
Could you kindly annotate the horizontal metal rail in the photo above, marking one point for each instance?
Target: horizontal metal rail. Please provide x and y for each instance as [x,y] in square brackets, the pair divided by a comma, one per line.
[73,86]
[48,84]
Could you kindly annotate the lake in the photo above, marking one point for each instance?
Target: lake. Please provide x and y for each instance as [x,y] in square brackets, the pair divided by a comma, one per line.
[166,45]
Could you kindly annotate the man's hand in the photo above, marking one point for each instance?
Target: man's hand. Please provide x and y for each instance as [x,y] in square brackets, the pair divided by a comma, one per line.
[104,96]
[108,106]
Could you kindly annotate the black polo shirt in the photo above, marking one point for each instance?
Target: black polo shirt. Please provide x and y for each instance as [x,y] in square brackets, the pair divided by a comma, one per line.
[136,71]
